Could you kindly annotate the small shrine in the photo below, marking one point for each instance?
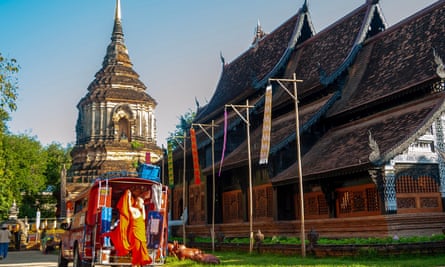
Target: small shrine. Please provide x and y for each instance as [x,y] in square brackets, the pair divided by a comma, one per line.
[18,227]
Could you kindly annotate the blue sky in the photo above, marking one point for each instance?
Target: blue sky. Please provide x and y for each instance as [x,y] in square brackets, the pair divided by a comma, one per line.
[174,45]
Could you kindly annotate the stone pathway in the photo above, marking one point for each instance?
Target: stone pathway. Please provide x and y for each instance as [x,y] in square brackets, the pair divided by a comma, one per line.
[32,258]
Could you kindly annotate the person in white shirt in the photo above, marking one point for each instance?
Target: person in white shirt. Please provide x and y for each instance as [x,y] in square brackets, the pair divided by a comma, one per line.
[5,237]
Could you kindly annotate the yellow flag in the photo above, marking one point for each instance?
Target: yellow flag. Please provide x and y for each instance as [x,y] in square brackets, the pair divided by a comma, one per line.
[171,179]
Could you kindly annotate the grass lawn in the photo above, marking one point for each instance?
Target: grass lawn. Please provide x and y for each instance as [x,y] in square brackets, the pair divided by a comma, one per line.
[254,259]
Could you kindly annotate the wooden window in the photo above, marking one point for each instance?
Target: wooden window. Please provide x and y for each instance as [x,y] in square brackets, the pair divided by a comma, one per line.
[359,200]
[417,195]
[315,205]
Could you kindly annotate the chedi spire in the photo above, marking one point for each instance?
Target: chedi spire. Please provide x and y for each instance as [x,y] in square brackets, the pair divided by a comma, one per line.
[117,51]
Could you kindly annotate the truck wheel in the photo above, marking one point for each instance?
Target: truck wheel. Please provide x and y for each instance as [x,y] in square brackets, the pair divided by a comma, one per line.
[61,261]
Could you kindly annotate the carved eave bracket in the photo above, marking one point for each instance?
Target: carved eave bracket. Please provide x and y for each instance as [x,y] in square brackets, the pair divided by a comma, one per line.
[375,175]
[440,69]
[374,156]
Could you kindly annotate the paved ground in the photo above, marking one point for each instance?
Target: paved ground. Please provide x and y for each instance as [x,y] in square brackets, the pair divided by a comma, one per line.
[32,258]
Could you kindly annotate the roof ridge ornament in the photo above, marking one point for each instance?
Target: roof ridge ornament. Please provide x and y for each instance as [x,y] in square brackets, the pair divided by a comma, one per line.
[305,7]
[440,69]
[259,33]
[223,61]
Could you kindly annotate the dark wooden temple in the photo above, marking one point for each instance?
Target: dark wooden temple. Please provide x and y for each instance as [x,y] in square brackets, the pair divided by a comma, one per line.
[371,116]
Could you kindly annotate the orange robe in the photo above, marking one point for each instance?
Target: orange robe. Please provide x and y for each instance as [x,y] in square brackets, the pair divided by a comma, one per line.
[138,241]
[119,235]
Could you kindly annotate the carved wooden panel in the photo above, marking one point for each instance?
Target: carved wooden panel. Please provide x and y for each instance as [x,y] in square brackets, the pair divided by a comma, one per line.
[359,200]
[177,203]
[406,202]
[232,206]
[315,205]
[420,202]
[418,195]
[263,202]
[196,204]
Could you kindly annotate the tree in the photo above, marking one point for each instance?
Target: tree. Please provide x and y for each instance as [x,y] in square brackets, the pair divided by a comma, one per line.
[8,89]
[185,122]
[24,172]
[8,96]
[57,157]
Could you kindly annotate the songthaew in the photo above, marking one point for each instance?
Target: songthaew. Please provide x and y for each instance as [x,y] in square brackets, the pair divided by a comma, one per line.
[120,219]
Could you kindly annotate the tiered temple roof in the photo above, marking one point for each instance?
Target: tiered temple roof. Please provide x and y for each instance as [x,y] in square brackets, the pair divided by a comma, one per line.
[363,84]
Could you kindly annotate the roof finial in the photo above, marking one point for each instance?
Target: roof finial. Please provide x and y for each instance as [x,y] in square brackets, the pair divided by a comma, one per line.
[117,30]
[223,61]
[305,7]
[118,10]
[259,33]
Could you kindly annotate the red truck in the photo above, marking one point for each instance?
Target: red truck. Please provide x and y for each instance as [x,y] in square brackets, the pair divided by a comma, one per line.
[95,214]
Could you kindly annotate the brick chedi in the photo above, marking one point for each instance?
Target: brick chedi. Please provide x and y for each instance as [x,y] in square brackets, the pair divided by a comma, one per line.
[116,125]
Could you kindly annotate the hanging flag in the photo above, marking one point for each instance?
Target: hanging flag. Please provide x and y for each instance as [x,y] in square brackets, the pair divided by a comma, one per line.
[195,156]
[224,142]
[265,139]
[147,158]
[37,220]
[171,179]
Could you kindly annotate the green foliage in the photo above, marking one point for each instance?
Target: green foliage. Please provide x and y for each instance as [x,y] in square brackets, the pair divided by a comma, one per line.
[57,157]
[237,259]
[185,122]
[135,145]
[8,96]
[8,89]
[26,161]
[23,172]
[380,240]
[30,175]
[333,241]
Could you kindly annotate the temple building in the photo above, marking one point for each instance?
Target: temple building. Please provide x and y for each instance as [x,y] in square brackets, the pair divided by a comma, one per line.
[370,138]
[116,125]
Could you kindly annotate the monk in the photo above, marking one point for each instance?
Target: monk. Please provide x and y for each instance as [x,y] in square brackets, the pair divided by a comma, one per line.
[136,232]
[119,235]
[129,235]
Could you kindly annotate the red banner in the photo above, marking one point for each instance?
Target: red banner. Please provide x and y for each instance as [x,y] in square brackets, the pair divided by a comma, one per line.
[195,156]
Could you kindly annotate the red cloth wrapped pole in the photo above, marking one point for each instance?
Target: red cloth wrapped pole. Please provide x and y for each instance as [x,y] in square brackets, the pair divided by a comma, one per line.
[196,169]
